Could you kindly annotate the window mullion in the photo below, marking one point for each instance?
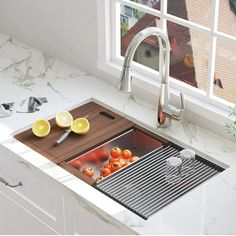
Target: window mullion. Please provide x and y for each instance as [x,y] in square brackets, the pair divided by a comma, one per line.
[212,49]
[163,21]
[115,44]
[140,7]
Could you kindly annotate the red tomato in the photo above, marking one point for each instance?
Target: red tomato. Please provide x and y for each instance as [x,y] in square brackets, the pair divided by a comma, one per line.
[134,158]
[115,166]
[127,154]
[105,172]
[116,152]
[112,160]
[102,154]
[122,161]
[76,163]
[127,163]
[89,158]
[108,166]
[88,171]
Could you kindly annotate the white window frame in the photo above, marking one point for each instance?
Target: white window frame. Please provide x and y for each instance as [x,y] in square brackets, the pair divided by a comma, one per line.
[110,61]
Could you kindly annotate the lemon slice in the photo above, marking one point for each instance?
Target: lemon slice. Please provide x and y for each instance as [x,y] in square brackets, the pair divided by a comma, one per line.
[80,126]
[41,128]
[64,119]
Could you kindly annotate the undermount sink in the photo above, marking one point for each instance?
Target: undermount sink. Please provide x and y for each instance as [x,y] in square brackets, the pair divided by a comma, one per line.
[140,186]
[135,139]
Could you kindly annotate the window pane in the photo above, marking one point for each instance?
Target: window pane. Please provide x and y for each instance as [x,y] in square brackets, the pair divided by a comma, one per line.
[151,3]
[189,48]
[189,55]
[192,10]
[225,71]
[147,52]
[227,17]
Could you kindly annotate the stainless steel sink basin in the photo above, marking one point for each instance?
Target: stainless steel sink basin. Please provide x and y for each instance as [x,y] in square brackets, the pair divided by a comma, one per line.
[136,140]
[141,186]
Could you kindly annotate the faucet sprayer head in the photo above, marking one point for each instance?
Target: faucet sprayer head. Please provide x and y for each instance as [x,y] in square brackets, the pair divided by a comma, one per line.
[125,81]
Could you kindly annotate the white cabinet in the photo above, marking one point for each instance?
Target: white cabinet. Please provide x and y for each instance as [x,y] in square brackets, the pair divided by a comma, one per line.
[82,218]
[16,220]
[43,206]
[39,194]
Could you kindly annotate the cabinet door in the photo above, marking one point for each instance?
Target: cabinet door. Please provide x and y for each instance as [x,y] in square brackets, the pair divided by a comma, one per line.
[82,218]
[15,220]
[39,194]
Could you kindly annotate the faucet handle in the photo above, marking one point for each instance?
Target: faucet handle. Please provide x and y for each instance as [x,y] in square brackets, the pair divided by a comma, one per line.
[174,112]
[178,112]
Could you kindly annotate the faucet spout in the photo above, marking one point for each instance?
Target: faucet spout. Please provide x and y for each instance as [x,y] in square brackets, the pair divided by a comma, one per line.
[165,111]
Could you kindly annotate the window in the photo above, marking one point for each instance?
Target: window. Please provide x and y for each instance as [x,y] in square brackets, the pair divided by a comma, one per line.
[202,35]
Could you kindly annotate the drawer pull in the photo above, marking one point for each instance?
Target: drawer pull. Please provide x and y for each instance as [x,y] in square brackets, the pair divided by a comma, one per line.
[10,185]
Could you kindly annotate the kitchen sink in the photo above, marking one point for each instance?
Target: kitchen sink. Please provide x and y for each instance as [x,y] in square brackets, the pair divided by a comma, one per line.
[140,186]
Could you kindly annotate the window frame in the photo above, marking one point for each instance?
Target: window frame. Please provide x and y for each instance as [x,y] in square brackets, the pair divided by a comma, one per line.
[110,61]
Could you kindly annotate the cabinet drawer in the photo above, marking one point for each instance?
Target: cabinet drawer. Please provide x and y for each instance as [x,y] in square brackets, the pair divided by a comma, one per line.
[14,219]
[39,193]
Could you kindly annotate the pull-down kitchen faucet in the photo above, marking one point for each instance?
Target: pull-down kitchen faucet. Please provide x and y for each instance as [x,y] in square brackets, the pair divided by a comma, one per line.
[166,112]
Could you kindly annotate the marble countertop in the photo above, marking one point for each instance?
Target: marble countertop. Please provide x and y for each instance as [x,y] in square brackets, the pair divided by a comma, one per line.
[24,71]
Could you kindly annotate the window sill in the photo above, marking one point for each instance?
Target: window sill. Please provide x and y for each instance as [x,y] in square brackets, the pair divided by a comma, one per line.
[197,110]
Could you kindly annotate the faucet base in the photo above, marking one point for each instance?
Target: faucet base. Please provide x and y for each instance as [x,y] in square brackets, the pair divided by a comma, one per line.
[166,123]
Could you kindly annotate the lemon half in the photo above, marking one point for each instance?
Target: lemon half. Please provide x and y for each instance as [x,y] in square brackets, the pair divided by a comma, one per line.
[80,126]
[64,119]
[41,128]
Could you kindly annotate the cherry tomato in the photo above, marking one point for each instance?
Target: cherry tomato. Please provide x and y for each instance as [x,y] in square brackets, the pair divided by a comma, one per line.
[95,157]
[122,161]
[103,159]
[108,166]
[88,171]
[127,163]
[115,166]
[134,158]
[105,172]
[127,154]
[112,160]
[101,154]
[116,152]
[91,158]
[76,163]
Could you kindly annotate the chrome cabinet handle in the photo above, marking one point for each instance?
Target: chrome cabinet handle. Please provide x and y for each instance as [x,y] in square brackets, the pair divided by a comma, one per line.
[10,185]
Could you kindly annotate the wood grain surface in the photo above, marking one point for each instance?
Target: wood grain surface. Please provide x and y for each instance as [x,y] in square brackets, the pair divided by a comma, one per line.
[104,125]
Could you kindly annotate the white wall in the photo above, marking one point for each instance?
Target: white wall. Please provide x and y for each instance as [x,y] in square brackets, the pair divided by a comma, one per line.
[66,29]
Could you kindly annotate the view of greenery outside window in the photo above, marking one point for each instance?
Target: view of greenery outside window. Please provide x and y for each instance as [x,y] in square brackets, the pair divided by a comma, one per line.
[202,35]
[231,127]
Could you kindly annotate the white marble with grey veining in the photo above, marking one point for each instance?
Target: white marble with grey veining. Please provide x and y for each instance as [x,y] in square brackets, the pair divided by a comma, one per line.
[208,209]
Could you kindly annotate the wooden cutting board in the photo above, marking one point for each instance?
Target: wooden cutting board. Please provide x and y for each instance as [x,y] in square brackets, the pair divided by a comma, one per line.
[104,125]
